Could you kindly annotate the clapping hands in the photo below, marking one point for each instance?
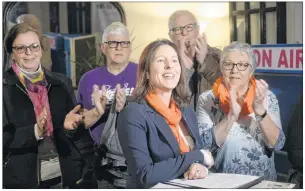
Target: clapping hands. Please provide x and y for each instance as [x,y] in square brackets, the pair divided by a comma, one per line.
[73,119]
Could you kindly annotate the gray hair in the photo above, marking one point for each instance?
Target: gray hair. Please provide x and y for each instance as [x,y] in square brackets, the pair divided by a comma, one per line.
[242,47]
[173,17]
[116,28]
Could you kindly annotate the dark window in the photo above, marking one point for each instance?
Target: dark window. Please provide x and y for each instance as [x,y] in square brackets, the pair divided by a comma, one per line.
[54,17]
[258,22]
[79,17]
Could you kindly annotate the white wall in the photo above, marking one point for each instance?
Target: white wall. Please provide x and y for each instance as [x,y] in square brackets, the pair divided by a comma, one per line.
[41,10]
[149,21]
[63,17]
[294,20]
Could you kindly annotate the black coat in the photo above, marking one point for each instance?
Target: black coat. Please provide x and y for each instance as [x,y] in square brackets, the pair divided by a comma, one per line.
[20,147]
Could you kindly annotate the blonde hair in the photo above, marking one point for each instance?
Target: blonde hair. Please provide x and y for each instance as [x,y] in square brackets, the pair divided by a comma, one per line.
[31,20]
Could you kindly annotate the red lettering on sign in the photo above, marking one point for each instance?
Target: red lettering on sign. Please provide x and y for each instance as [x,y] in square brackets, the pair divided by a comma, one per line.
[299,58]
[282,59]
[267,58]
[258,57]
[291,58]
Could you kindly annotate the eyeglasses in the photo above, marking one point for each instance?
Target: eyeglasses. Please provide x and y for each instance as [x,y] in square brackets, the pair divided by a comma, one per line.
[115,44]
[240,66]
[179,30]
[20,49]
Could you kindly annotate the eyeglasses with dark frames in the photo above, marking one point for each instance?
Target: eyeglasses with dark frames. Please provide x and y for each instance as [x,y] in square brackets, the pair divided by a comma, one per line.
[115,44]
[188,28]
[20,49]
[240,66]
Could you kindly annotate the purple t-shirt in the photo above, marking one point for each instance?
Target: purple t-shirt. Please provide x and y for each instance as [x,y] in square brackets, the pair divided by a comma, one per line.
[101,76]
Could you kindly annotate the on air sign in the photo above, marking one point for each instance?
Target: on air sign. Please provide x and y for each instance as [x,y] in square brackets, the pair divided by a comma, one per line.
[279,58]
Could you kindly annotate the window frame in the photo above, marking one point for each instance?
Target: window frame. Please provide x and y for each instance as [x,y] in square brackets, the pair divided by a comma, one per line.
[54,15]
[280,10]
[72,28]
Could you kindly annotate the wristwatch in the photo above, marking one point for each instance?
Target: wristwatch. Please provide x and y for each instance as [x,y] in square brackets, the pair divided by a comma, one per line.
[259,118]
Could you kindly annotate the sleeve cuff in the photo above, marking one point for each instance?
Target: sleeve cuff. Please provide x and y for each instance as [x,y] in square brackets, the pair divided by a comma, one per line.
[206,170]
[189,72]
[206,159]
[279,143]
[36,133]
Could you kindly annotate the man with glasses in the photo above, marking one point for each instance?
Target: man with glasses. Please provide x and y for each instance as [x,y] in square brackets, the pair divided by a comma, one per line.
[200,60]
[116,79]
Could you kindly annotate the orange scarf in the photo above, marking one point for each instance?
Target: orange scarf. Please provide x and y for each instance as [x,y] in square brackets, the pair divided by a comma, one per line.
[172,116]
[221,92]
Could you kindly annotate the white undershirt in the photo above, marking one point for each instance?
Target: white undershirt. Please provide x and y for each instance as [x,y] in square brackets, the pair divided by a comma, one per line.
[187,139]
[190,142]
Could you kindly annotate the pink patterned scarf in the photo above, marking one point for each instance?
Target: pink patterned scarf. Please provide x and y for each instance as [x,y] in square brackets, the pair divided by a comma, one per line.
[38,93]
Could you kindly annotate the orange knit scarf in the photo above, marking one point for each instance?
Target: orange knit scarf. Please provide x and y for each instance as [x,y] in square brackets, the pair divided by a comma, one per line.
[172,116]
[221,92]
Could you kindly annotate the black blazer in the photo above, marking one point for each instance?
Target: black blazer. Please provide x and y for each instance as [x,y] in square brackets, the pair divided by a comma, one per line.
[151,150]
[20,147]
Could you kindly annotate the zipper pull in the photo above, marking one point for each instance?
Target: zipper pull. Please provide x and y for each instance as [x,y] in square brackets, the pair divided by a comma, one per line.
[8,158]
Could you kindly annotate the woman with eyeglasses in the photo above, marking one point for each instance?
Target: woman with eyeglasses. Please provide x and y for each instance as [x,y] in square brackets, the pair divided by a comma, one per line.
[37,107]
[239,119]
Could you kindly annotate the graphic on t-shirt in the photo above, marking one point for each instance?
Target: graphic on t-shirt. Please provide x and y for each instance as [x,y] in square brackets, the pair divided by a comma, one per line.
[111,93]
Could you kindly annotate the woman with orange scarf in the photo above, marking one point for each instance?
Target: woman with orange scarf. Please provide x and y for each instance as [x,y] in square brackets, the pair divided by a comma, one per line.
[239,119]
[157,130]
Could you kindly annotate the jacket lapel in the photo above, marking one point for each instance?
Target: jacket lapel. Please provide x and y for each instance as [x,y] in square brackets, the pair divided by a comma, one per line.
[164,128]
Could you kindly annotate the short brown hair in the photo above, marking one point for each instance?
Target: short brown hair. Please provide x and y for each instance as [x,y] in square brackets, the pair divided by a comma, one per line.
[143,87]
[15,31]
[31,20]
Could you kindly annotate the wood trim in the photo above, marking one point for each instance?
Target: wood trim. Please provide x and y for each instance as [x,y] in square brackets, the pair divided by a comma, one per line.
[121,11]
[54,22]
[71,16]
[281,22]
[88,17]
[280,10]
[233,34]
[263,24]
[235,13]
